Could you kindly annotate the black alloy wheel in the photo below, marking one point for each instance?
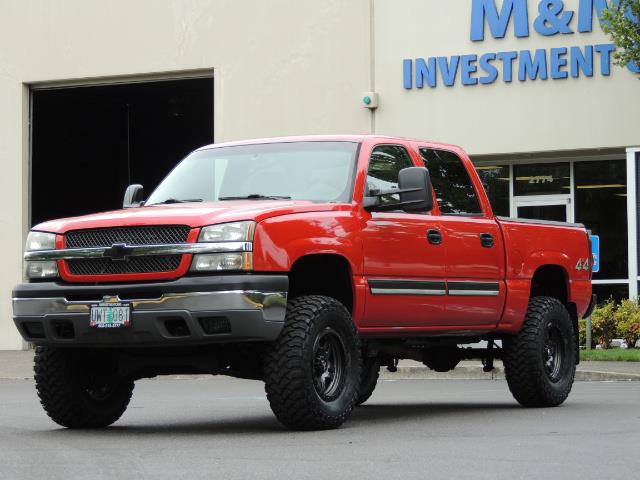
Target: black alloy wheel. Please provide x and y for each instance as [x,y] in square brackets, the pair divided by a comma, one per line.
[329,362]
[540,360]
[312,371]
[553,353]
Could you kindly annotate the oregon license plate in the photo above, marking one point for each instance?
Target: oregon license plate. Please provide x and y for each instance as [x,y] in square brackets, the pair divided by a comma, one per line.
[110,315]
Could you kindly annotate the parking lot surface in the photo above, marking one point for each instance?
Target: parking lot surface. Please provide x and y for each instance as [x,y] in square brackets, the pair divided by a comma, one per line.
[223,429]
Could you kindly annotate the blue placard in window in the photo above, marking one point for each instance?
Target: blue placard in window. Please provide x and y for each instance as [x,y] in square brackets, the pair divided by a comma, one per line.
[595,251]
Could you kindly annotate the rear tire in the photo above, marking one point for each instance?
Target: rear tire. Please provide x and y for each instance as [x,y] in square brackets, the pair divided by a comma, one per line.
[312,371]
[75,396]
[539,360]
[368,379]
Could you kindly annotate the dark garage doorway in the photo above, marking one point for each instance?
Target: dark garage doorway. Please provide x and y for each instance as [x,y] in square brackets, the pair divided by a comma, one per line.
[88,143]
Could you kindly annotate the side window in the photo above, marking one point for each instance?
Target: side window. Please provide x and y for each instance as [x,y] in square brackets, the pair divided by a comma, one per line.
[451,182]
[384,165]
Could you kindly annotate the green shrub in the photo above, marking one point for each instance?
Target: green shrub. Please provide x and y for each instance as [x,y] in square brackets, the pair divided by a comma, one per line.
[609,321]
[603,323]
[582,330]
[627,317]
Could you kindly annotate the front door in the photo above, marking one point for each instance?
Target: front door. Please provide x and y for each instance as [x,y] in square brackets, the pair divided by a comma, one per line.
[474,248]
[404,255]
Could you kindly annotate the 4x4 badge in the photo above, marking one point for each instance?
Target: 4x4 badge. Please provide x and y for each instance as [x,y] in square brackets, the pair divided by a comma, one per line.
[583,264]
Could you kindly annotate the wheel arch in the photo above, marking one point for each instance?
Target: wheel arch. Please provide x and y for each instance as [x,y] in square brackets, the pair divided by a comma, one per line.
[553,281]
[550,280]
[327,274]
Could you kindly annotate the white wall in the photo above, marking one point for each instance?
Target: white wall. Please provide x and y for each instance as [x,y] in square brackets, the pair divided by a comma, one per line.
[282,67]
[293,67]
[498,118]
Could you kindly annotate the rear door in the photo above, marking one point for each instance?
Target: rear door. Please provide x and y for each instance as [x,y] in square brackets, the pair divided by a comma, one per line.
[473,240]
[404,258]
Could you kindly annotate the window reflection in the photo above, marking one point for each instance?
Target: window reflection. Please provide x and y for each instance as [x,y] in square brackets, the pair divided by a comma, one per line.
[495,180]
[542,179]
[601,204]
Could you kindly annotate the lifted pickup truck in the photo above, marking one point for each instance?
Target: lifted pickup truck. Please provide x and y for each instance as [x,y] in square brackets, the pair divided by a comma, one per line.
[308,263]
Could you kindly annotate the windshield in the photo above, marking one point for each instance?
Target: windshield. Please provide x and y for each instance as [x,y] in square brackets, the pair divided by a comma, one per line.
[315,171]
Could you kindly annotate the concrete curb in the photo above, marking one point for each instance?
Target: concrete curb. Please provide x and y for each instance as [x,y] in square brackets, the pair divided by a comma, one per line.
[18,365]
[469,372]
[422,373]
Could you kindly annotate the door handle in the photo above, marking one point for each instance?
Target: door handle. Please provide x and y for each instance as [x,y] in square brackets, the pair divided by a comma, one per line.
[486,240]
[434,237]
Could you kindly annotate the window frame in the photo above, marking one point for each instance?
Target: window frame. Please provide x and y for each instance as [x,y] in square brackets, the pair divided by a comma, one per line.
[483,213]
[408,149]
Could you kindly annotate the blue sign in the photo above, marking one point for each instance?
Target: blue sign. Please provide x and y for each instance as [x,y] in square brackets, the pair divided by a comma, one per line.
[595,251]
[553,63]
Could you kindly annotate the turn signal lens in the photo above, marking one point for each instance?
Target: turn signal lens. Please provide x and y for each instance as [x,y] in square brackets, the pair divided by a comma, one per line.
[208,262]
[37,269]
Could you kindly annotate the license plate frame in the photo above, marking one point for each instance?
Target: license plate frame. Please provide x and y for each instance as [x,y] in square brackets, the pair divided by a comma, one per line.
[110,315]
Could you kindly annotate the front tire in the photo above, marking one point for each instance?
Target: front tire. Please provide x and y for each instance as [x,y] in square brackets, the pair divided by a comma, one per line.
[539,360]
[312,371]
[74,394]
[368,379]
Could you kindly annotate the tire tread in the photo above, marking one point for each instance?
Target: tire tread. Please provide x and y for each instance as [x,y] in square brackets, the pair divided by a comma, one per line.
[524,372]
[285,372]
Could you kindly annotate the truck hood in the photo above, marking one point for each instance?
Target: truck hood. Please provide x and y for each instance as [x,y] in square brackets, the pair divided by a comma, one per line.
[191,214]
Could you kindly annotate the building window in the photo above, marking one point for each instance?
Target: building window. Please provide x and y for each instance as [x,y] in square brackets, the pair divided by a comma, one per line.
[542,179]
[495,180]
[601,204]
[617,291]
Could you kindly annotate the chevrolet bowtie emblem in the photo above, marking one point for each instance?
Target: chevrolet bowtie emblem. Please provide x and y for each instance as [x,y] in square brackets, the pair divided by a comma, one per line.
[118,252]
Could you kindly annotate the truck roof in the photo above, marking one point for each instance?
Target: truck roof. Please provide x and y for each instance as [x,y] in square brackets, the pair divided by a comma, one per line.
[321,138]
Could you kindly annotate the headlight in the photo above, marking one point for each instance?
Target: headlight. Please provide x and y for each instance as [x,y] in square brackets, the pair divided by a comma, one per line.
[228,261]
[40,269]
[40,241]
[228,232]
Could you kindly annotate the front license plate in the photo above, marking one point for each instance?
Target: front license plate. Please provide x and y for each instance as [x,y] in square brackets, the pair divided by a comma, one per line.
[110,315]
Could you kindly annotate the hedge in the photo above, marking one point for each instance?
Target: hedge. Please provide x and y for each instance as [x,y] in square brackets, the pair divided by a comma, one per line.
[610,320]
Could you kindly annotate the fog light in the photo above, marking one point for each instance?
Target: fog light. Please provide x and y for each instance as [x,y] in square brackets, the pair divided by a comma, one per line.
[222,261]
[41,269]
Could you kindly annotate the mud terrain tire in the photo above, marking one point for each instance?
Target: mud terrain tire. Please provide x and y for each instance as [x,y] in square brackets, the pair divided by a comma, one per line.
[368,379]
[73,395]
[539,361]
[312,371]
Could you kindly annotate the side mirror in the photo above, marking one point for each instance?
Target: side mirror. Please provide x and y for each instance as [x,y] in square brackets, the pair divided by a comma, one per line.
[414,184]
[414,188]
[133,196]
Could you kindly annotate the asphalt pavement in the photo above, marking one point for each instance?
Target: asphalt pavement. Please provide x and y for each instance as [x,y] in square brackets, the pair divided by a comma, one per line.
[428,429]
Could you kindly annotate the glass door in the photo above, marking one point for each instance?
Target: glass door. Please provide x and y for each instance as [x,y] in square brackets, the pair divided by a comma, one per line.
[558,210]
[542,191]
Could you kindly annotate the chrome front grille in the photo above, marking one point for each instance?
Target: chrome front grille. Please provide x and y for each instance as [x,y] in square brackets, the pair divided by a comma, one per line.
[105,237]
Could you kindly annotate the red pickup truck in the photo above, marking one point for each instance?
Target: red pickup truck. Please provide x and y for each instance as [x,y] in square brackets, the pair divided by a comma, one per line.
[308,263]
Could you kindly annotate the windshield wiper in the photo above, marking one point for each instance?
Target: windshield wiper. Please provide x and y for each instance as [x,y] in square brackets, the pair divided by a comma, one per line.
[176,200]
[256,196]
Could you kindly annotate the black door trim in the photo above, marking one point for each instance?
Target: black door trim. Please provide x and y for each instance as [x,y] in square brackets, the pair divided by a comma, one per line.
[407,287]
[481,289]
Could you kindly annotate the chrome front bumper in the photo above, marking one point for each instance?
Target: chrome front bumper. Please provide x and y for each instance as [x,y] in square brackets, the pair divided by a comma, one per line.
[248,307]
